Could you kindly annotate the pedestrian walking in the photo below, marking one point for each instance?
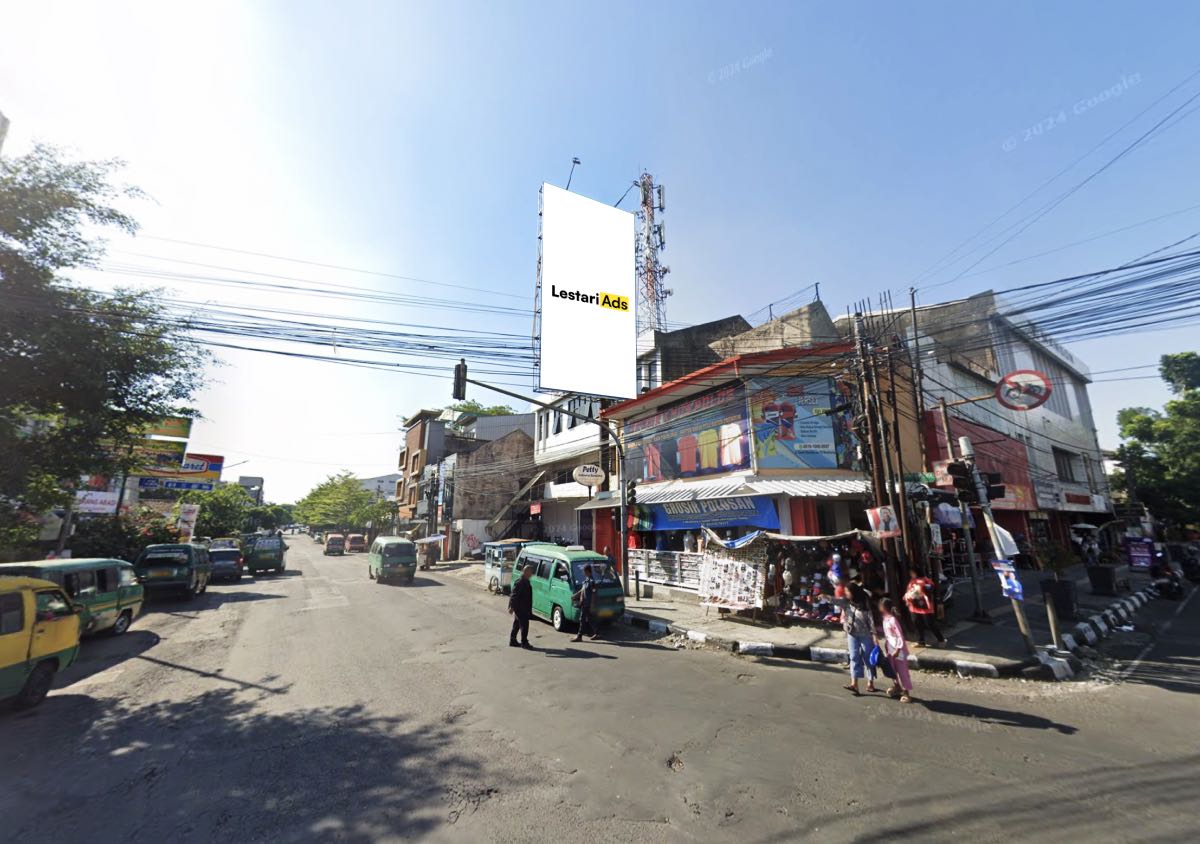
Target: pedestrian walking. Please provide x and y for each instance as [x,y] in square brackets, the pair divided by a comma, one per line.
[586,596]
[520,607]
[896,650]
[860,639]
[919,597]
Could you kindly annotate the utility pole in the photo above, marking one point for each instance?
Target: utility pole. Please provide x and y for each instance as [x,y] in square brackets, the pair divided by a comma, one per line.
[980,614]
[918,377]
[863,392]
[651,239]
[902,492]
[968,453]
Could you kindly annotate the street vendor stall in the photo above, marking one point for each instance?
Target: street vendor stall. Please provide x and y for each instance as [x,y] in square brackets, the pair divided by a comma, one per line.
[791,578]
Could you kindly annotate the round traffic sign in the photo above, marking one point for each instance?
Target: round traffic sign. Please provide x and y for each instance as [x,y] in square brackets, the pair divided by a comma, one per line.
[1023,389]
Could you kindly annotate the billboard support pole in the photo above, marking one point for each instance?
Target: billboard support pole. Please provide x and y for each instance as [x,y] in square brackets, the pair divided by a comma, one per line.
[616,441]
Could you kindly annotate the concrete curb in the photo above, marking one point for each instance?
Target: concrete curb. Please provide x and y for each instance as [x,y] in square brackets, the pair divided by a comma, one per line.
[1049,664]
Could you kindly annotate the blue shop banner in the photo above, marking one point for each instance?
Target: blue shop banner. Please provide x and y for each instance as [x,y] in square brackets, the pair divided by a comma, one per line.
[744,511]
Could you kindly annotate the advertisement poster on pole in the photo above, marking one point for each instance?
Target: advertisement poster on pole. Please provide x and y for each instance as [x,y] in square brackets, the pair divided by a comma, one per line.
[172,427]
[884,522]
[1010,583]
[188,514]
[935,537]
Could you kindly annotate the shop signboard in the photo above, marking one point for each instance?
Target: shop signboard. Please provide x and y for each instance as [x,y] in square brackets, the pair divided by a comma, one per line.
[741,511]
[1139,551]
[192,469]
[589,474]
[93,501]
[1010,583]
[174,427]
[703,435]
[158,457]
[795,425]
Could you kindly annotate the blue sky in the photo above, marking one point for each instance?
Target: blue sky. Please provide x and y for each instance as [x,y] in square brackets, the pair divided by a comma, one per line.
[854,146]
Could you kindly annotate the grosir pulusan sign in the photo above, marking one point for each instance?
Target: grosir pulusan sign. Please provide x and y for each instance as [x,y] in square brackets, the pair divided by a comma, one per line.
[586,322]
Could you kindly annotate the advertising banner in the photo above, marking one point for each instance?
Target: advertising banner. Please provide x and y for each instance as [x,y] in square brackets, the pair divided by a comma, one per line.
[746,511]
[1010,583]
[790,433]
[174,483]
[1140,552]
[188,514]
[192,468]
[161,457]
[884,522]
[176,427]
[705,435]
[588,318]
[92,501]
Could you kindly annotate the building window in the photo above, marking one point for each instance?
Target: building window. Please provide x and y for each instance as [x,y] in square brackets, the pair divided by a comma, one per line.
[1064,465]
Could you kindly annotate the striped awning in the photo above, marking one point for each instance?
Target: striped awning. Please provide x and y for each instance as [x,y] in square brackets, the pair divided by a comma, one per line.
[815,488]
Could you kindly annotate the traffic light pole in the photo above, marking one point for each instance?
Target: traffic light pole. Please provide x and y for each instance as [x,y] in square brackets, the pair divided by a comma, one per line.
[980,614]
[459,394]
[981,487]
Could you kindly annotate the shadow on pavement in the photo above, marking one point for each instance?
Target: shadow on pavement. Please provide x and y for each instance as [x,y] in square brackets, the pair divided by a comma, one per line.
[1085,802]
[417,583]
[99,653]
[1174,674]
[573,653]
[997,717]
[170,605]
[217,675]
[219,766]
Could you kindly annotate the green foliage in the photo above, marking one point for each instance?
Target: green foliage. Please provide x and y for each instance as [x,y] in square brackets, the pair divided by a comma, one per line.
[477,409]
[341,502]
[80,371]
[122,537]
[269,516]
[1160,455]
[224,511]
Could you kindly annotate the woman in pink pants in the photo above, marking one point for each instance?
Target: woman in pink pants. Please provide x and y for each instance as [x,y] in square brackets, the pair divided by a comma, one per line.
[897,651]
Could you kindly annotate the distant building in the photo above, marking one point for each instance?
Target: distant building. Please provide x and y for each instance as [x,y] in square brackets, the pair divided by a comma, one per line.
[384,485]
[253,487]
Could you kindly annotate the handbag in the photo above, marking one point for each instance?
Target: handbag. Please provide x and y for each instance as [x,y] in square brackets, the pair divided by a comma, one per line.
[877,659]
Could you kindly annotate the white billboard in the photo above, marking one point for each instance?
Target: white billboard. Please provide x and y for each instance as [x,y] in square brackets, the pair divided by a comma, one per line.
[589,310]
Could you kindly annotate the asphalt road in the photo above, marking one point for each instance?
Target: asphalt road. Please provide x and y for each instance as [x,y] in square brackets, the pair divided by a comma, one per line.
[320,706]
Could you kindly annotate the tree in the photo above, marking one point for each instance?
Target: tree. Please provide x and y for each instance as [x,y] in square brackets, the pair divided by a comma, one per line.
[1160,458]
[81,372]
[269,516]
[476,409]
[124,536]
[224,510]
[340,502]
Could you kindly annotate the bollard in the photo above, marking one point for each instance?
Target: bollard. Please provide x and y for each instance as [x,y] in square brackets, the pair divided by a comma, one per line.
[637,585]
[1052,617]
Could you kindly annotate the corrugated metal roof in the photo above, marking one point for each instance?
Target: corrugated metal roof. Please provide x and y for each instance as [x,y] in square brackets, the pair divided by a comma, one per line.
[693,491]
[815,488]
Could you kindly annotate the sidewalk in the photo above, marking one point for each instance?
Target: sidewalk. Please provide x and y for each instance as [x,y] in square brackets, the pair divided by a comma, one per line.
[994,649]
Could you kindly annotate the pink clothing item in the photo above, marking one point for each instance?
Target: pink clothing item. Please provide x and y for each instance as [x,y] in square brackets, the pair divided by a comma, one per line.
[897,650]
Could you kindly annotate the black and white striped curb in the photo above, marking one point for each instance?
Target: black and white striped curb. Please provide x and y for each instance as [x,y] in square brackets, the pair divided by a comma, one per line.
[1048,664]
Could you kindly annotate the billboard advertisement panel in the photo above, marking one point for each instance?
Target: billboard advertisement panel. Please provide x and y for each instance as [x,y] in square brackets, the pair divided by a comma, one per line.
[196,471]
[158,457]
[704,435]
[176,427]
[588,322]
[789,433]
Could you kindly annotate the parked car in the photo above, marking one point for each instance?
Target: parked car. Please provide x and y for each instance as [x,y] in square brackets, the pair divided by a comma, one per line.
[227,563]
[106,589]
[184,568]
[558,574]
[356,543]
[39,636]
[267,555]
[392,558]
[335,543]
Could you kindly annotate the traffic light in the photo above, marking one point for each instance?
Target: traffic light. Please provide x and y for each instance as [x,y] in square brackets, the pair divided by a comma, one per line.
[995,485]
[964,481]
[459,393]
[631,493]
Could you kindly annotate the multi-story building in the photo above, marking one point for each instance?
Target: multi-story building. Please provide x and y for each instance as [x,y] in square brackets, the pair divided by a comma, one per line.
[428,437]
[253,487]
[1049,457]
[383,486]
[562,443]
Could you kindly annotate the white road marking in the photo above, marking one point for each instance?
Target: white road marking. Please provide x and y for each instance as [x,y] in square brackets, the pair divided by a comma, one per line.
[1179,609]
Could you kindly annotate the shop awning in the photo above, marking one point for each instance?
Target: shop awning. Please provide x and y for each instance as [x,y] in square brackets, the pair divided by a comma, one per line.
[598,503]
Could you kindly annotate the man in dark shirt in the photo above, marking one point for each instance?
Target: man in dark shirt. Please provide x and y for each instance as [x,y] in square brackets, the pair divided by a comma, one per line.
[587,595]
[520,607]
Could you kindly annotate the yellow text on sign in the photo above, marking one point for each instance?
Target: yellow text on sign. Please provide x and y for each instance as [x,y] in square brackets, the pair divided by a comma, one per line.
[613,301]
